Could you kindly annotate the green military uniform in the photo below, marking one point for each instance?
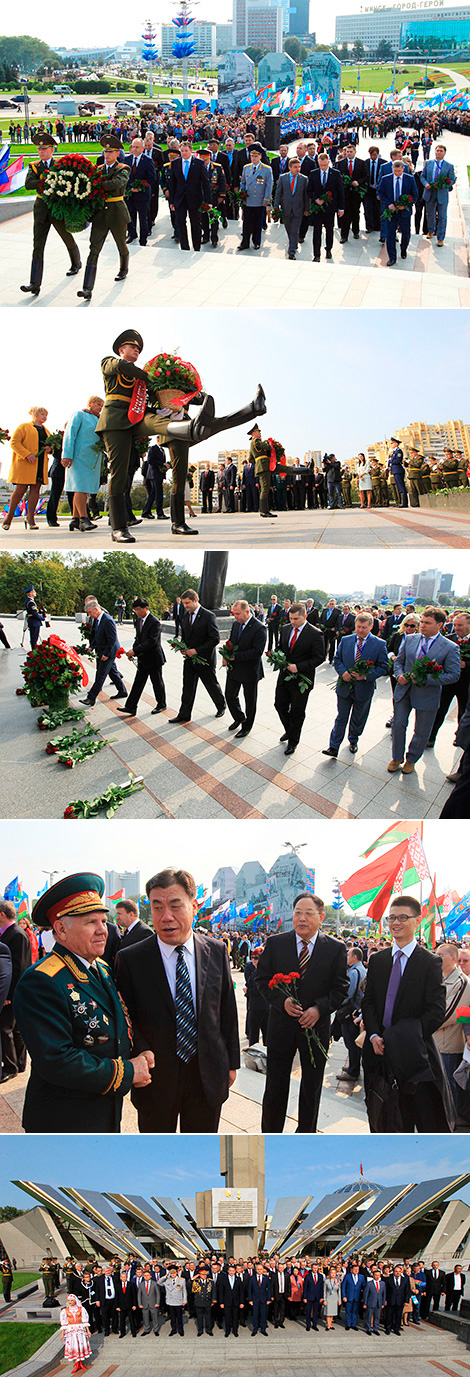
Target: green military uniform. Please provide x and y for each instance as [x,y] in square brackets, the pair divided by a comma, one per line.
[376,473]
[426,476]
[42,222]
[392,489]
[413,467]
[384,489]
[112,219]
[47,1270]
[346,487]
[7,1279]
[450,471]
[75,1027]
[260,455]
[436,478]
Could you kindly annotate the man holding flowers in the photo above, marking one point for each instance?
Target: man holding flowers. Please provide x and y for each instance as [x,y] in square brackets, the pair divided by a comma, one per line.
[438,179]
[302,648]
[398,193]
[242,656]
[424,664]
[360,660]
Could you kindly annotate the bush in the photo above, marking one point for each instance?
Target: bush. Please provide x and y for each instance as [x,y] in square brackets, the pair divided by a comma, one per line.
[92,88]
[140,87]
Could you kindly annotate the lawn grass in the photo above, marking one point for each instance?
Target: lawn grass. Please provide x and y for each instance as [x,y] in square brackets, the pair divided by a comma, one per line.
[378,79]
[23,1279]
[19,1341]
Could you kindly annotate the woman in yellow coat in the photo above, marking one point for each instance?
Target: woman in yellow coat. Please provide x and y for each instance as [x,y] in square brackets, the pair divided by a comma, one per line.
[29,464]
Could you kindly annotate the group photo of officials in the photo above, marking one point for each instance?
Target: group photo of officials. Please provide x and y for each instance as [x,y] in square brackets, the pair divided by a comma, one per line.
[98,1009]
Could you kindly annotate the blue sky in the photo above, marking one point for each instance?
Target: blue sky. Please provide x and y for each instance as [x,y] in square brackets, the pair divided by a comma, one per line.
[66,27]
[334,380]
[178,1166]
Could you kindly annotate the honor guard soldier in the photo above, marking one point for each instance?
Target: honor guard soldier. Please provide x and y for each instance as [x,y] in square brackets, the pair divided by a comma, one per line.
[414,466]
[6,1273]
[112,219]
[42,218]
[346,486]
[463,466]
[48,1273]
[426,475]
[436,476]
[34,618]
[450,469]
[260,454]
[73,1021]
[376,474]
[218,185]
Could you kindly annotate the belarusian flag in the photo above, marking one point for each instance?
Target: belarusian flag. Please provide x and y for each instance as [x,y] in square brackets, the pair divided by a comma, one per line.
[396,833]
[22,910]
[414,866]
[116,897]
[366,885]
[430,912]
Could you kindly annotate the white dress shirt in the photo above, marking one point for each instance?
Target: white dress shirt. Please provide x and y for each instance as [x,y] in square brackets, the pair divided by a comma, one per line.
[170,957]
[310,944]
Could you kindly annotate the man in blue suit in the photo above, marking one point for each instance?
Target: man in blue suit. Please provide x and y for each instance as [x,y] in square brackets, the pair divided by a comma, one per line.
[374,1298]
[138,202]
[313,1295]
[436,198]
[351,1291]
[355,691]
[391,186]
[425,700]
[189,188]
[259,1294]
[104,640]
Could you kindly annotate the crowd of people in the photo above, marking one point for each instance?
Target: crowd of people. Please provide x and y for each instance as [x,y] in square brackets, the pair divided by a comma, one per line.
[111,1010]
[220,1292]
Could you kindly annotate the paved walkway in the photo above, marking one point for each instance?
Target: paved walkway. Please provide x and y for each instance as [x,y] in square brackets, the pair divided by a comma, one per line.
[199,771]
[161,275]
[381,528]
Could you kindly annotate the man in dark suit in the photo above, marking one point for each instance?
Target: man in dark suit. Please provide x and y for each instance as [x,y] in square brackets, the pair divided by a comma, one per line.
[374,1299]
[392,186]
[355,690]
[147,650]
[6,967]
[133,929]
[313,1296]
[329,621]
[206,487]
[304,649]
[454,1288]
[403,1005]
[230,1293]
[106,1292]
[346,622]
[374,163]
[259,1295]
[280,1282]
[152,150]
[322,987]
[142,169]
[274,622]
[113,942]
[248,637]
[177,613]
[280,163]
[200,634]
[230,483]
[179,993]
[435,1288]
[126,1305]
[16,945]
[354,173]
[189,189]
[460,689]
[291,198]
[104,641]
[325,181]
[398,1291]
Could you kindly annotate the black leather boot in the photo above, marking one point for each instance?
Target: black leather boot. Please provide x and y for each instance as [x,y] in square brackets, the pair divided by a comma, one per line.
[118,518]
[34,284]
[88,281]
[123,268]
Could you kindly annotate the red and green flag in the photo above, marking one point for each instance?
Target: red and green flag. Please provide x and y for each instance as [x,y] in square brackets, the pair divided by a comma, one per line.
[398,832]
[116,897]
[367,884]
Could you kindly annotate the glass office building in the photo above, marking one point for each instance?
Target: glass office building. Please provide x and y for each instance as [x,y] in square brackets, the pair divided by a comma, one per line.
[428,35]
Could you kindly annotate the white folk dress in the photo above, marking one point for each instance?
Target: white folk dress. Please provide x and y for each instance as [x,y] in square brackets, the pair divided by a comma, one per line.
[74,1321]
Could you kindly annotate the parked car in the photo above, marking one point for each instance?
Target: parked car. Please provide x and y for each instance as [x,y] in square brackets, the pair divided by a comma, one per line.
[90,107]
[21,100]
[127,107]
[8,105]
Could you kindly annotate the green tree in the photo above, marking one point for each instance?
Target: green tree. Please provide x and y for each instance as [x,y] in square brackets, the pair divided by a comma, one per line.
[27,53]
[9,1212]
[293,47]
[358,49]
[384,51]
[126,574]
[58,585]
[256,54]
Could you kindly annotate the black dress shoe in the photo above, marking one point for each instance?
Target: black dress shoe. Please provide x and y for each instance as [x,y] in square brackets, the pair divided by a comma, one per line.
[85,293]
[290,749]
[284,737]
[53,523]
[121,275]
[403,253]
[331,751]
[122,694]
[161,517]
[220,711]
[123,537]
[353,747]
[158,709]
[391,262]
[135,521]
[244,731]
[34,292]
[234,726]
[10,1076]
[73,270]
[179,719]
[128,710]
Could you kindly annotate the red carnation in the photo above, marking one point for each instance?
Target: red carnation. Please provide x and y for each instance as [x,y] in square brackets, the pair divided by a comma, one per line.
[69,764]
[50,749]
[69,812]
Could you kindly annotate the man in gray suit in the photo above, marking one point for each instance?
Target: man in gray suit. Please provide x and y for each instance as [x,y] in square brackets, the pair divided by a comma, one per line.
[148,1298]
[436,197]
[293,200]
[424,699]
[256,184]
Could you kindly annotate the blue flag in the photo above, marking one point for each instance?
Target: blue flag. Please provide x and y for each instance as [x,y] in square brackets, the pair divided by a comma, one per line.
[12,890]
[458,920]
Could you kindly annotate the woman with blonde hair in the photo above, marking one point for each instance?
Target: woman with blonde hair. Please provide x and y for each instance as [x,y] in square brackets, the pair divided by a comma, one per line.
[332,1297]
[28,467]
[82,461]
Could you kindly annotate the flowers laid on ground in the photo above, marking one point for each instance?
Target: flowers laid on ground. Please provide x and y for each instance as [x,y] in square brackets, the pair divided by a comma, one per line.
[425,668]
[183,650]
[50,671]
[403,202]
[66,743]
[74,190]
[110,800]
[279,660]
[288,985]
[228,652]
[48,720]
[71,750]
[359,670]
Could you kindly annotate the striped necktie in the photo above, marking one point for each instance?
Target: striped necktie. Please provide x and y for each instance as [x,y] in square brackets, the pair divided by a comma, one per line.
[186,1027]
[304,959]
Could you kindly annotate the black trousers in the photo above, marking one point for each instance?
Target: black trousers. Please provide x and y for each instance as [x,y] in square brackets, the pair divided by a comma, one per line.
[279,1310]
[147,670]
[138,206]
[109,1316]
[182,1096]
[260,1316]
[423,1110]
[232,698]
[3,638]
[103,669]
[458,803]
[256,1023]
[176,1319]
[7,1283]
[323,220]
[191,678]
[329,636]
[13,1048]
[124,1315]
[273,634]
[154,486]
[312,1310]
[204,1318]
[252,225]
[181,214]
[291,706]
[393,1318]
[350,219]
[207,501]
[276,1094]
[453,1301]
[372,209]
[57,488]
[231,1314]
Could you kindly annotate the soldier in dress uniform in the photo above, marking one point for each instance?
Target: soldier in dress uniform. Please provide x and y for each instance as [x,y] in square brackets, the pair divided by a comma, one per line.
[414,466]
[202,1296]
[376,474]
[34,618]
[218,185]
[450,469]
[426,475]
[257,184]
[6,1273]
[73,1021]
[346,486]
[463,466]
[48,1273]
[42,218]
[260,454]
[113,218]
[436,475]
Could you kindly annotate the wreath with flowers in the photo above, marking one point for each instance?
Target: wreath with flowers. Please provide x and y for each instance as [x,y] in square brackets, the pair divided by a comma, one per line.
[74,191]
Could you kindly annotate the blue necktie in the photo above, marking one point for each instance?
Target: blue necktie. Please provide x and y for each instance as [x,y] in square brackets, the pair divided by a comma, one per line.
[186,170]
[392,990]
[186,1027]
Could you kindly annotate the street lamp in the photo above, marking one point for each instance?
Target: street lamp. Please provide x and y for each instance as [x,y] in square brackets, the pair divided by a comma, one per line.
[26,104]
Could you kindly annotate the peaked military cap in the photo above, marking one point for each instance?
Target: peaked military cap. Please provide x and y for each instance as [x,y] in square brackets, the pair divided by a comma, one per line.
[128,337]
[252,431]
[43,139]
[72,897]
[110,141]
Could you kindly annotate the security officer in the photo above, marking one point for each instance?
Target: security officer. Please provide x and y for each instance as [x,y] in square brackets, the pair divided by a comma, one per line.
[34,618]
[413,466]
[376,473]
[47,1270]
[6,1273]
[218,185]
[397,469]
[384,488]
[42,218]
[346,486]
[450,469]
[112,219]
[73,1021]
[260,454]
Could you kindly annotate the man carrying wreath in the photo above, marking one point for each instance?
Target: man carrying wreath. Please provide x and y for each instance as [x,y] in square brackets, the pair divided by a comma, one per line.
[120,374]
[42,218]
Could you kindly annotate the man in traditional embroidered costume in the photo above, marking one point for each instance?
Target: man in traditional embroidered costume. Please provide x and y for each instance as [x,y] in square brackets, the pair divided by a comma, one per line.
[73,1021]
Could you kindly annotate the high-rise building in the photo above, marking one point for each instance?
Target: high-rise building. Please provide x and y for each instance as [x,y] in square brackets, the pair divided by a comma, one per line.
[442,28]
[299,18]
[224,38]
[430,440]
[205,39]
[260,24]
[428,586]
[128,880]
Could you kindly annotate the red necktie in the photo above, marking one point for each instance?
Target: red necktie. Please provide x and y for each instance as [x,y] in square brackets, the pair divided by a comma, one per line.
[377,1284]
[292,184]
[294,638]
[350,169]
[359,648]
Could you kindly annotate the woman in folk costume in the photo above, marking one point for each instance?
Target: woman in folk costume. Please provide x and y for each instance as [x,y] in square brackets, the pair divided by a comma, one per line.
[76,1331]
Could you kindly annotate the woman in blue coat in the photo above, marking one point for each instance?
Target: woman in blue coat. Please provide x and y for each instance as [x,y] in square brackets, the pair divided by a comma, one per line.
[82,461]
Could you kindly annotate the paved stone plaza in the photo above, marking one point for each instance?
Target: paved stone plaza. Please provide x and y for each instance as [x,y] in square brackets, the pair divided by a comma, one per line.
[161,275]
[199,771]
[381,528]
